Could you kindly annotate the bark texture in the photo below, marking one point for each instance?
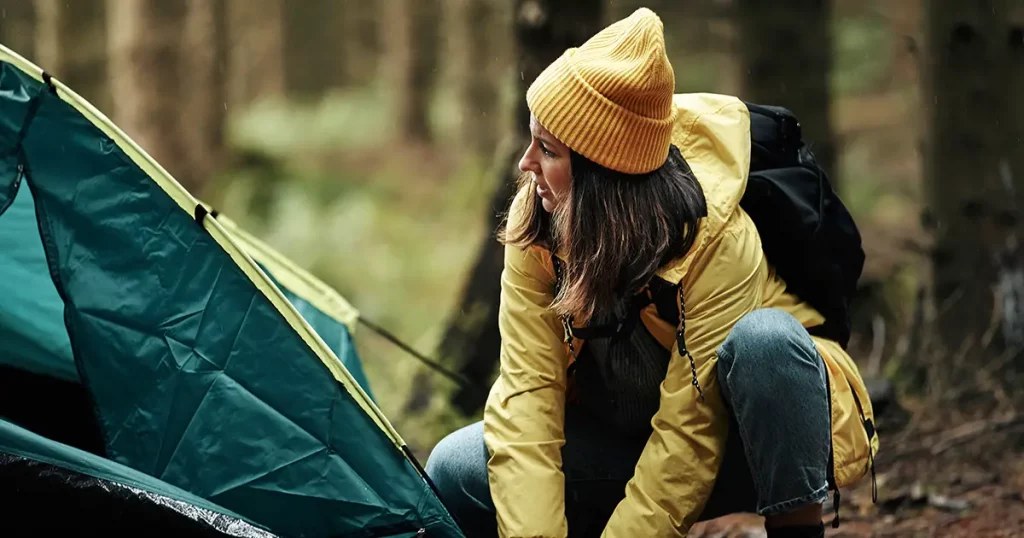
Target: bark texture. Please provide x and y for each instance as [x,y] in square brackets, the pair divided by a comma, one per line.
[975,174]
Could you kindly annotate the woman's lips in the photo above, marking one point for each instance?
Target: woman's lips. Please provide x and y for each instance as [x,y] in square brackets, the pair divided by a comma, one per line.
[542,192]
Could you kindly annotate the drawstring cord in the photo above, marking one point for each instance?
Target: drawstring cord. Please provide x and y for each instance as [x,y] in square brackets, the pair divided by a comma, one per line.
[681,342]
[874,483]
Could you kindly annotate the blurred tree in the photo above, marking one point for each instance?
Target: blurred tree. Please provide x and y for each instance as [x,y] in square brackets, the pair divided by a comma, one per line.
[71,44]
[543,30]
[255,51]
[203,87]
[361,49]
[477,36]
[699,40]
[313,45]
[1015,50]
[411,29]
[786,52]
[17,27]
[328,44]
[145,75]
[974,175]
[167,70]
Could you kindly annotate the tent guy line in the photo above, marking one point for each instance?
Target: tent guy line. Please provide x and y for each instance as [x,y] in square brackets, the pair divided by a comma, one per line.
[455,377]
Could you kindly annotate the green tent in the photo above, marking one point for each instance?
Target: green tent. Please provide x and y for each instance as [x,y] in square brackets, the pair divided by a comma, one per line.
[159,352]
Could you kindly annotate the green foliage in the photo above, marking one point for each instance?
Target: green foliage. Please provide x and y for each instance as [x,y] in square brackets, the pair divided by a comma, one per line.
[352,119]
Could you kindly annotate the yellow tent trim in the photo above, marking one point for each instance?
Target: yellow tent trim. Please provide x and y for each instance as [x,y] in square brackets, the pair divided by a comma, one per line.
[221,235]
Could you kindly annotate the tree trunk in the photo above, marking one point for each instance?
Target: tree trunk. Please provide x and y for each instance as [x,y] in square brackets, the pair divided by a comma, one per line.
[478,31]
[361,50]
[699,37]
[411,26]
[146,76]
[314,45]
[1015,69]
[17,27]
[255,51]
[786,50]
[974,178]
[71,44]
[543,30]
[204,88]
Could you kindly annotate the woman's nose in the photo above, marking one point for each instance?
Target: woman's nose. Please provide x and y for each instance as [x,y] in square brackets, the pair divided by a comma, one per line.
[527,163]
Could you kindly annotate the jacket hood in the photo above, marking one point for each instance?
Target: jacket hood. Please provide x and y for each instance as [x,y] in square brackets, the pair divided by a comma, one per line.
[712,133]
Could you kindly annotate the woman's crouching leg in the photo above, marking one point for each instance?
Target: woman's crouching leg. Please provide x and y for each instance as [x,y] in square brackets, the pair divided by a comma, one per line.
[458,468]
[774,381]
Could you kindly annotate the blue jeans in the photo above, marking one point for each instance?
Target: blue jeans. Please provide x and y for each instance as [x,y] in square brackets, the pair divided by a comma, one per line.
[776,459]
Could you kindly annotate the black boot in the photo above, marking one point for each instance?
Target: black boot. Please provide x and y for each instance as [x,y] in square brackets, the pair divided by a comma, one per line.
[798,531]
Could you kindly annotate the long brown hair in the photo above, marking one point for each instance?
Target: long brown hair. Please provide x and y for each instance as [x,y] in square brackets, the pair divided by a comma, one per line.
[615,229]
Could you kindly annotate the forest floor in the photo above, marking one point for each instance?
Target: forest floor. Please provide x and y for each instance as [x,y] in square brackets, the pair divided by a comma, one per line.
[940,473]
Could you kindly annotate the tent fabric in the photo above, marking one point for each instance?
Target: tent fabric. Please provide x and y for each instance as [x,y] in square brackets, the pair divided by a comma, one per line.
[31,324]
[202,373]
[327,312]
[44,471]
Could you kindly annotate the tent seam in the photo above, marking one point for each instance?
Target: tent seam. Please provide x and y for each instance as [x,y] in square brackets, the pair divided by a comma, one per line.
[46,238]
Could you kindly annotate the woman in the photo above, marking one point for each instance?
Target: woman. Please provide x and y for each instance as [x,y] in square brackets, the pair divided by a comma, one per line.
[735,409]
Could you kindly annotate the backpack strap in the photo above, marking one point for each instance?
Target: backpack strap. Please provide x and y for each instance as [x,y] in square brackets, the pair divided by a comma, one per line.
[617,328]
[663,295]
[667,299]
[620,327]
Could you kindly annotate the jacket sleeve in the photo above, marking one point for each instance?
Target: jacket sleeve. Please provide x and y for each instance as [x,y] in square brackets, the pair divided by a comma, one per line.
[523,417]
[677,469]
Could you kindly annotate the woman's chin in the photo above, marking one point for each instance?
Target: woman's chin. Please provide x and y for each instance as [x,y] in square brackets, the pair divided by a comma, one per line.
[548,205]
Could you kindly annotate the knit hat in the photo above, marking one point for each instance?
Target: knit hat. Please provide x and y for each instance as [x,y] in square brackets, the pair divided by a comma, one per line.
[610,99]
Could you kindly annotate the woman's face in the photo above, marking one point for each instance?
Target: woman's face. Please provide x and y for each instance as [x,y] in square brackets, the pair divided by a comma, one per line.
[547,160]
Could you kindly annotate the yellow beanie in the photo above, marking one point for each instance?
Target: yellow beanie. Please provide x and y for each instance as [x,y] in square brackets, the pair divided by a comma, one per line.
[610,99]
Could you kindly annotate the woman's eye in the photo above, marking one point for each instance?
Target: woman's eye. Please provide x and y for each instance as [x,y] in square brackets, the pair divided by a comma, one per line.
[545,151]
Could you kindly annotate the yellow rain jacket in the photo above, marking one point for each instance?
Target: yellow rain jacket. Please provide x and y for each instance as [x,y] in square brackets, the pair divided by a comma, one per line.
[724,276]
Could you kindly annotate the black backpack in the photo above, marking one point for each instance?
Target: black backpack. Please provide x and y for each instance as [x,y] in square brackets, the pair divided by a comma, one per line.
[807,233]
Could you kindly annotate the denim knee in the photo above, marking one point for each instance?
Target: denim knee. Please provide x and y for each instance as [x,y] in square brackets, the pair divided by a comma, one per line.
[446,465]
[458,468]
[774,382]
[766,351]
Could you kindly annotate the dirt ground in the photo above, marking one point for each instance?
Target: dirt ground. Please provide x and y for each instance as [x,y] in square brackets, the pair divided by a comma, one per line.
[939,473]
